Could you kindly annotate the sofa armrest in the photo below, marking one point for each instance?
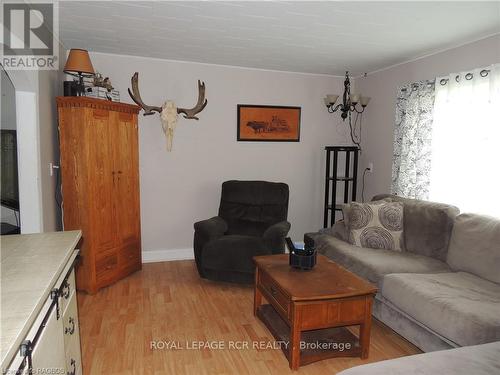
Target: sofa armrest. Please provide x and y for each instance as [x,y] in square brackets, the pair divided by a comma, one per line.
[274,236]
[338,230]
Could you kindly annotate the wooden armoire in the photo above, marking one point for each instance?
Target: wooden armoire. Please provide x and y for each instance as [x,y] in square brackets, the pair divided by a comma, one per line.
[100,186]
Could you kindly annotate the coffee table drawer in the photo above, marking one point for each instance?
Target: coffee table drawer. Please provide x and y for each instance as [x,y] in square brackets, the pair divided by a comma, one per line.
[274,294]
[349,311]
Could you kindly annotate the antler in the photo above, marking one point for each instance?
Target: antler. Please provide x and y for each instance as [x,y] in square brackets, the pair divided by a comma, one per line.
[136,97]
[202,102]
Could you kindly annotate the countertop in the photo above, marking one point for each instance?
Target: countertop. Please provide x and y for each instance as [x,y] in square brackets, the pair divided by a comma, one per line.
[30,267]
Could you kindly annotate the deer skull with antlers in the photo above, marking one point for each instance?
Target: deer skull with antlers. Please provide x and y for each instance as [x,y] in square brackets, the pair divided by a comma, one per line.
[168,111]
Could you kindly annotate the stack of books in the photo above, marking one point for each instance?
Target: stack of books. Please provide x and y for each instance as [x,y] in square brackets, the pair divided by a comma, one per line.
[102,93]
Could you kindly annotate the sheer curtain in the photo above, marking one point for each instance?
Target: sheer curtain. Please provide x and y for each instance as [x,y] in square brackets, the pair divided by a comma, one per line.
[465,163]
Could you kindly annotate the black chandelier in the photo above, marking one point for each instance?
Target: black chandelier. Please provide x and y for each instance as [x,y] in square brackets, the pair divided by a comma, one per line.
[349,101]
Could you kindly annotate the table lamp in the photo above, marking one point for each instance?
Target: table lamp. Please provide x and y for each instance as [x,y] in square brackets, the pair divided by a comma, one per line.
[79,65]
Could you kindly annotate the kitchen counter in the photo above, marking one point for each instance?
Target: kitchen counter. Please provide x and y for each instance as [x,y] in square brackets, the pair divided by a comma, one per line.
[30,267]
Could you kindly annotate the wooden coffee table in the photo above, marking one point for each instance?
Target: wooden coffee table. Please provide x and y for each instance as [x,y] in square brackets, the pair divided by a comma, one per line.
[308,311]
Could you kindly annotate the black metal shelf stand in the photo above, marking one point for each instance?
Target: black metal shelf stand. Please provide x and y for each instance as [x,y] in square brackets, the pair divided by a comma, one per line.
[334,176]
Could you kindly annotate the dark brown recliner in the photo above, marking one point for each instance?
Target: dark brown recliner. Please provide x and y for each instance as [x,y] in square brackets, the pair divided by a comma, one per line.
[251,221]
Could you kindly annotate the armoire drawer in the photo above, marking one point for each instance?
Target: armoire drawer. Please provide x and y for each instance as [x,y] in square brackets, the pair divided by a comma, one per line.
[129,254]
[106,267]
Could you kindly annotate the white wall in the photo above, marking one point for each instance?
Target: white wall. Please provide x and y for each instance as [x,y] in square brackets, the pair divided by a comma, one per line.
[382,86]
[183,186]
[8,121]
[49,86]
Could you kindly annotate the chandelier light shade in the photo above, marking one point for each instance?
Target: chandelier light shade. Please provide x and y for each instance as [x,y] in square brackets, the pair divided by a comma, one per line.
[350,102]
[364,101]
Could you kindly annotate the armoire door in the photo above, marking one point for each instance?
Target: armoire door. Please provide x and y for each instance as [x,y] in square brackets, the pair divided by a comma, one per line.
[103,181]
[100,178]
[126,197]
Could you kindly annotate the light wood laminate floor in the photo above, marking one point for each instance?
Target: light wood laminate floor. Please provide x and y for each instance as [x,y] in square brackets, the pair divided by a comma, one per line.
[168,301]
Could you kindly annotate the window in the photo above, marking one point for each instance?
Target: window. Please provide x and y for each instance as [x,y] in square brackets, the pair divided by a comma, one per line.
[465,146]
[447,141]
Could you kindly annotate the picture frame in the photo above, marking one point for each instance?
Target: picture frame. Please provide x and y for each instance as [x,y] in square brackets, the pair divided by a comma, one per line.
[268,123]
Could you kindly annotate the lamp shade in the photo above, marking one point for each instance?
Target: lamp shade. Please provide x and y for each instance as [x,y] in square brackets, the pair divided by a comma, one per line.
[332,98]
[354,98]
[78,62]
[365,100]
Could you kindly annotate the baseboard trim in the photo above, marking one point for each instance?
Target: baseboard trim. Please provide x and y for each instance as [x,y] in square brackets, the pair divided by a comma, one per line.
[166,255]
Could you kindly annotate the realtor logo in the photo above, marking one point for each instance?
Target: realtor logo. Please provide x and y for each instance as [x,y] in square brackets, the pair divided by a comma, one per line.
[30,36]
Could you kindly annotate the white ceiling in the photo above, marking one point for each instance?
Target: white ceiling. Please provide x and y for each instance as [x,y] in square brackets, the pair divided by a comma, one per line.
[315,37]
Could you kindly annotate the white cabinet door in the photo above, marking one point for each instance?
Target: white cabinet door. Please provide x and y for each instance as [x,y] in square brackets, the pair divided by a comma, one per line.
[72,336]
[48,353]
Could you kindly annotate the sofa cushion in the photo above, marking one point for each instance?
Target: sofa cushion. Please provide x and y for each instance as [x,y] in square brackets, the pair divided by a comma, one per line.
[475,246]
[471,360]
[459,306]
[373,264]
[427,225]
[376,225]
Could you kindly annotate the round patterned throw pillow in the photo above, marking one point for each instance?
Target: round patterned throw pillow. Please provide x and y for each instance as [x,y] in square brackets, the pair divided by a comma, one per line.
[360,216]
[391,216]
[377,225]
[377,238]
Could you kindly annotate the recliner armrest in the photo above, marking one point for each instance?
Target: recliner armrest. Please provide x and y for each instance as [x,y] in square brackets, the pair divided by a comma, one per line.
[274,236]
[204,232]
[212,228]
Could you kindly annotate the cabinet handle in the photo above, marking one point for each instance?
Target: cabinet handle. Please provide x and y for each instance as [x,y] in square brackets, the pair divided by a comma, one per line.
[273,291]
[54,295]
[72,329]
[65,290]
[25,351]
[73,364]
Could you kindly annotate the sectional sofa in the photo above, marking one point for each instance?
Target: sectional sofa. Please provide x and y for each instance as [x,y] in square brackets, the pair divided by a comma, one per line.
[443,290]
[471,360]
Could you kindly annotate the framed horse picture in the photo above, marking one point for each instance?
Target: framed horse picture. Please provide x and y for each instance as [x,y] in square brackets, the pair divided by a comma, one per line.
[265,123]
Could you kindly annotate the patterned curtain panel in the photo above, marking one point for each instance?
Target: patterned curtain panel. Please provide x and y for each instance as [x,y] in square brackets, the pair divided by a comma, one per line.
[412,140]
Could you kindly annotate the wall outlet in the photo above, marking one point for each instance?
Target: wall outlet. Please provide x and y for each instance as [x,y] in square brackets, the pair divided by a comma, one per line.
[370,167]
